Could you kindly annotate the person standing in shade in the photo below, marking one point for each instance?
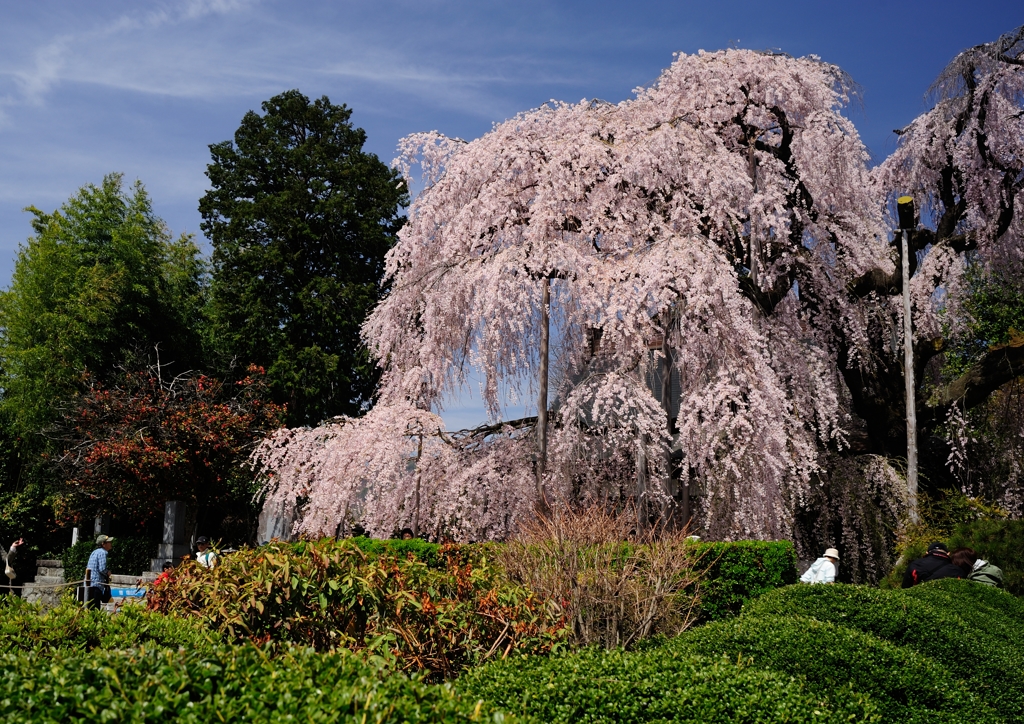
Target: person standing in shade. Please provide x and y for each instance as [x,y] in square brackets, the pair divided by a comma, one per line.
[98,569]
[206,557]
[822,570]
[9,559]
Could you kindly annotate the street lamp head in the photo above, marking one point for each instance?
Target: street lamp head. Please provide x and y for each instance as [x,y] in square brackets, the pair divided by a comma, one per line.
[906,212]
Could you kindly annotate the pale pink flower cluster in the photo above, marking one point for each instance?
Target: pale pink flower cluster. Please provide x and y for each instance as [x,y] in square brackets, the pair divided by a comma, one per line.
[368,471]
[724,209]
[963,162]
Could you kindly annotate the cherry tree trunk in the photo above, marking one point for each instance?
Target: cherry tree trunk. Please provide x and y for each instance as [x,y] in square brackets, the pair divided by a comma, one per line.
[416,495]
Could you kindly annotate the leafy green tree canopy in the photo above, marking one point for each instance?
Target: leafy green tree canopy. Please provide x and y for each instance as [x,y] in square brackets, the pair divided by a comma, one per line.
[300,218]
[990,314]
[100,282]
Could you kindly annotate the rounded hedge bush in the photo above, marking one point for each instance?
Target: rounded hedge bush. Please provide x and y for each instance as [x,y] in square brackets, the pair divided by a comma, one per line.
[656,685]
[908,686]
[973,642]
[974,602]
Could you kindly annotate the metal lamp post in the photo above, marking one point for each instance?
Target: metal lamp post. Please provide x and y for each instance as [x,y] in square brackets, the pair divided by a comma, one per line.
[908,221]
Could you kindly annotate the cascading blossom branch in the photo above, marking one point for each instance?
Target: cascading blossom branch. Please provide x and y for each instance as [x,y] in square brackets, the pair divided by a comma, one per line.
[963,162]
[395,467]
[723,211]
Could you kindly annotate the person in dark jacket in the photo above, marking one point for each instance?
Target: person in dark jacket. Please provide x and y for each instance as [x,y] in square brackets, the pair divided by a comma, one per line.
[932,567]
[950,570]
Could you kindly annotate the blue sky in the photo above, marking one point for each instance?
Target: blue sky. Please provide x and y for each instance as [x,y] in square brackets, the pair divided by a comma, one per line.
[87,88]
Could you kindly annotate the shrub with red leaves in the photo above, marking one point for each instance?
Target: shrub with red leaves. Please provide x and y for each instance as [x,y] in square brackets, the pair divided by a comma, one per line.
[129,447]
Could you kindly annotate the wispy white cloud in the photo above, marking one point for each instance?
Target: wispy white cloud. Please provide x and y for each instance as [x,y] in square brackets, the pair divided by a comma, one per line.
[115,51]
[201,8]
[212,49]
[38,78]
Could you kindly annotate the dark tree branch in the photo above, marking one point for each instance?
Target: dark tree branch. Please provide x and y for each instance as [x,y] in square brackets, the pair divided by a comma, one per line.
[1000,365]
[959,243]
[924,350]
[766,301]
[878,281]
[875,280]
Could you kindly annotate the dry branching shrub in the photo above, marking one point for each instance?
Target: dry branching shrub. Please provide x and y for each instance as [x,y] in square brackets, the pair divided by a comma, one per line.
[613,586]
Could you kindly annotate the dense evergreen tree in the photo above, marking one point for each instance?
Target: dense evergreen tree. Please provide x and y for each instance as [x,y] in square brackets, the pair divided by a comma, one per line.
[300,218]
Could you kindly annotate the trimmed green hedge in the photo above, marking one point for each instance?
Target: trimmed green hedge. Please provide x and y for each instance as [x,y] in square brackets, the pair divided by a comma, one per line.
[907,686]
[980,648]
[657,685]
[973,601]
[232,684]
[735,573]
[130,556]
[948,651]
[429,553]
[68,626]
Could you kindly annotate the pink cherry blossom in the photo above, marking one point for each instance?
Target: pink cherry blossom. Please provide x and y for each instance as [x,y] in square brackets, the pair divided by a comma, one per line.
[725,210]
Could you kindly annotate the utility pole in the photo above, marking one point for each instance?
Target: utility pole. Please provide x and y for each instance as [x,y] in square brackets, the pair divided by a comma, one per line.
[908,221]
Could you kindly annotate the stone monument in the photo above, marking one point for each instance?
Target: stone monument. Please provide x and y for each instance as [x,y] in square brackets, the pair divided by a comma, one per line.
[174,545]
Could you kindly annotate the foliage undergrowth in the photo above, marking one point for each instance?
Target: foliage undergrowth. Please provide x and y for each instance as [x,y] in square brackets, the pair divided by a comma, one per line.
[994,310]
[330,594]
[69,627]
[225,683]
[429,553]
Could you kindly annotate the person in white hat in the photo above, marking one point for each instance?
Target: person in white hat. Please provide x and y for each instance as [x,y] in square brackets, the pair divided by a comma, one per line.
[822,570]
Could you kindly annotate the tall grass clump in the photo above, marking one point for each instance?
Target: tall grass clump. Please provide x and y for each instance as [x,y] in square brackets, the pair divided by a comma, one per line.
[610,584]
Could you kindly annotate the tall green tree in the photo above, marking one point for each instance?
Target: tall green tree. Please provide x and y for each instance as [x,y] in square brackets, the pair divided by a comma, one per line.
[300,218]
[100,283]
[101,286]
